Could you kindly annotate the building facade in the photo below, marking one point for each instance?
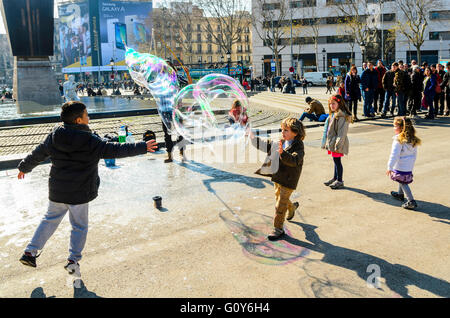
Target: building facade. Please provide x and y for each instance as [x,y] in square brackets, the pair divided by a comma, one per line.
[182,30]
[336,47]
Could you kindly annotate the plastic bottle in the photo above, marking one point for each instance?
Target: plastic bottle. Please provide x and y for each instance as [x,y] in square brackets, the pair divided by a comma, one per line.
[122,134]
[130,138]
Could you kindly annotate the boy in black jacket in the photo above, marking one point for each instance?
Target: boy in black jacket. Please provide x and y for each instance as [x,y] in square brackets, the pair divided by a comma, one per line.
[74,152]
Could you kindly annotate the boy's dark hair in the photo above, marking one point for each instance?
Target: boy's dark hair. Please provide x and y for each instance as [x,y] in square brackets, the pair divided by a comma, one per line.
[308,99]
[72,110]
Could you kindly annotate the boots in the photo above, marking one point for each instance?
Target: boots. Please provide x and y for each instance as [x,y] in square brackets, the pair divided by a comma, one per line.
[169,158]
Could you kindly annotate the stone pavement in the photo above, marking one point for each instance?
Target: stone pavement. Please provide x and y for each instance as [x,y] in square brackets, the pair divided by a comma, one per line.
[209,239]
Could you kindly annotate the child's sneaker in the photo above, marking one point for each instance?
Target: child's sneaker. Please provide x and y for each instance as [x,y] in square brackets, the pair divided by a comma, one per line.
[72,267]
[276,234]
[329,182]
[398,196]
[291,214]
[28,259]
[410,205]
[337,185]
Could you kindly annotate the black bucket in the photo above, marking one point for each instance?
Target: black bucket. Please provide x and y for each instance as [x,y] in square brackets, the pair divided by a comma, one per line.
[158,202]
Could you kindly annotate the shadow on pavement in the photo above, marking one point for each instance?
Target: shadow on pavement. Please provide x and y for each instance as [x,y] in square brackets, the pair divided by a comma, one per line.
[218,175]
[397,276]
[435,210]
[79,291]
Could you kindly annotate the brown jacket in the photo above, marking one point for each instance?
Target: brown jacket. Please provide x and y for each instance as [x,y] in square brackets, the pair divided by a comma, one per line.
[315,107]
[290,162]
[336,137]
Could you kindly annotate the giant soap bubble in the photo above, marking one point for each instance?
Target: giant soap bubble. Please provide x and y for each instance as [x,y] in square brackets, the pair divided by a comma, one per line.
[195,104]
[191,111]
[156,75]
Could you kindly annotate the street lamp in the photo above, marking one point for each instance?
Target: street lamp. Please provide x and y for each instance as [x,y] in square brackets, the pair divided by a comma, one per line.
[323,57]
[228,61]
[111,62]
[363,49]
[262,67]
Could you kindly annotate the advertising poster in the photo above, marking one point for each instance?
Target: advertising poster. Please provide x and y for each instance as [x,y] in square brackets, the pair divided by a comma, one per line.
[74,31]
[122,23]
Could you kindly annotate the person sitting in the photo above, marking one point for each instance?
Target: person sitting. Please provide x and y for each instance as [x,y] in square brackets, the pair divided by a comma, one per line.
[315,111]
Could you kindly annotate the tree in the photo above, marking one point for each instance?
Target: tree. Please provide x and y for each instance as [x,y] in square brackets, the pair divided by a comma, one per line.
[416,14]
[313,25]
[225,22]
[353,14]
[269,24]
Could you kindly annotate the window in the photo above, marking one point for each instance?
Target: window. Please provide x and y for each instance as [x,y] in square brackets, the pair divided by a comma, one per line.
[271,6]
[199,37]
[303,3]
[440,15]
[199,28]
[436,36]
[209,59]
[209,48]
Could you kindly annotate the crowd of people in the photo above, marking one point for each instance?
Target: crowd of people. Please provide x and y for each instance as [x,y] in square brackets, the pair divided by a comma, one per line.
[409,88]
[405,88]
[100,89]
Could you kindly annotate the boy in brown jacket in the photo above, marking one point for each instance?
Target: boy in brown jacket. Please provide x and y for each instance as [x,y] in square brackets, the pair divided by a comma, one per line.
[291,152]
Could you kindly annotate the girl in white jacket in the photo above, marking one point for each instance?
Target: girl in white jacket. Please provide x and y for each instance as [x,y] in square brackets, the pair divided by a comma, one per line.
[402,159]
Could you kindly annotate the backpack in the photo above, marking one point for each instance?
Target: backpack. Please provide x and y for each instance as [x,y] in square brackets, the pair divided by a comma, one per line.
[438,88]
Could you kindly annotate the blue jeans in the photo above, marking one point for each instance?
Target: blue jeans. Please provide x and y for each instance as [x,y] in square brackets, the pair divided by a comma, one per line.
[312,117]
[401,101]
[368,101]
[78,216]
[430,99]
[387,99]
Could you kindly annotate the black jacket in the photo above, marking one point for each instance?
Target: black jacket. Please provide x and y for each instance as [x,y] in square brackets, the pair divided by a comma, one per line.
[446,83]
[75,152]
[416,83]
[291,162]
[388,81]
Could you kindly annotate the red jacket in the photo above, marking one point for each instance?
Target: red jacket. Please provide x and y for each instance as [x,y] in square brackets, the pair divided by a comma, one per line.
[341,91]
[380,71]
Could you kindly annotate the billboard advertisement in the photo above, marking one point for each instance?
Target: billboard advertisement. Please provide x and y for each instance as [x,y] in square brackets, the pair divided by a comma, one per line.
[122,23]
[92,32]
[75,35]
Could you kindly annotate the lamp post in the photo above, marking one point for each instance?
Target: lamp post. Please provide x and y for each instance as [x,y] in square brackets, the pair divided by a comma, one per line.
[111,62]
[382,29]
[323,57]
[363,49]
[228,61]
[262,66]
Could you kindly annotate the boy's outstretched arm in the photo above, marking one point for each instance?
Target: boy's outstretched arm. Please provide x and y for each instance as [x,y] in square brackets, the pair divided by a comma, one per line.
[38,155]
[110,150]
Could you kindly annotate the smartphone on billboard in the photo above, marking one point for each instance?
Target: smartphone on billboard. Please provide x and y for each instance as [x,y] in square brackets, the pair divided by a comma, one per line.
[121,35]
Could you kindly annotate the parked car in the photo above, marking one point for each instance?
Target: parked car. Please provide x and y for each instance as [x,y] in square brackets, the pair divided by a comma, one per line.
[317,78]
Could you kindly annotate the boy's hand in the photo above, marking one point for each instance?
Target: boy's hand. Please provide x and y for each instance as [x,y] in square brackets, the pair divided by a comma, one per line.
[280,147]
[388,173]
[21,175]
[249,132]
[151,145]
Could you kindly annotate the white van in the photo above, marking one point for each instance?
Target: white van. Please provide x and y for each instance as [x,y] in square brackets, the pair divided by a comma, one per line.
[317,78]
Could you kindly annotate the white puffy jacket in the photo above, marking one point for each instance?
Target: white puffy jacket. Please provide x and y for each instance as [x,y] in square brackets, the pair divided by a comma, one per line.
[403,156]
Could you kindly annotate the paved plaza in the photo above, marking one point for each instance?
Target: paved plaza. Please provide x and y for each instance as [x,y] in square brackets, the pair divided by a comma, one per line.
[209,240]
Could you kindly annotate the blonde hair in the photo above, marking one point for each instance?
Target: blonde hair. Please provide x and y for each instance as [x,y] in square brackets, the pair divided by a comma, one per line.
[408,134]
[236,103]
[341,106]
[296,126]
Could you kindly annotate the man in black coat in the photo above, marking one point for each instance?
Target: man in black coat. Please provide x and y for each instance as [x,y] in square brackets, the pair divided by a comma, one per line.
[388,85]
[416,91]
[445,85]
[74,152]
